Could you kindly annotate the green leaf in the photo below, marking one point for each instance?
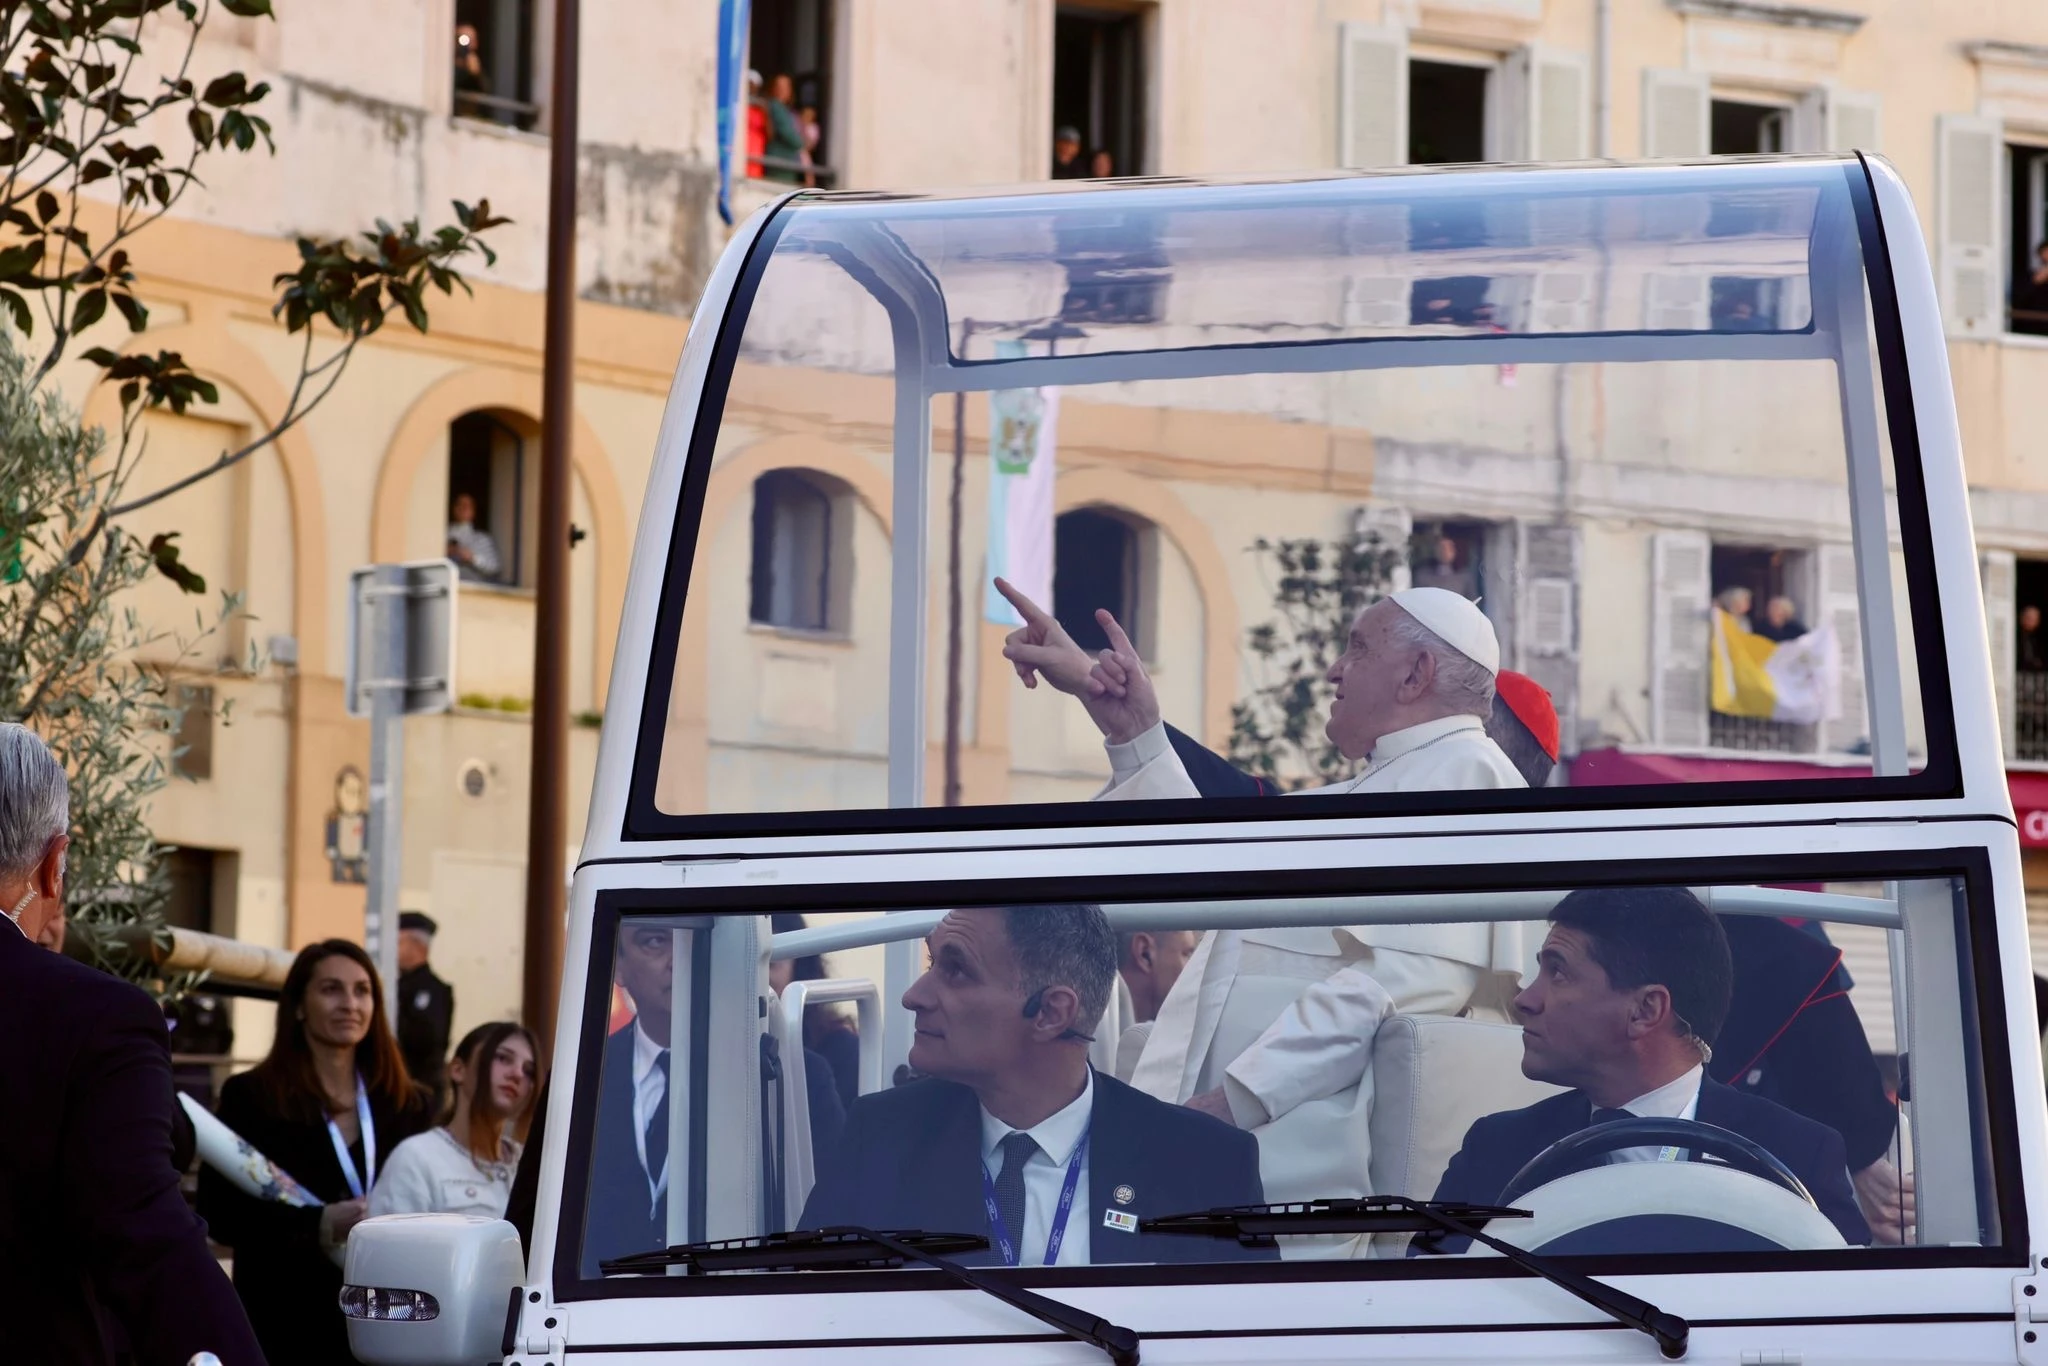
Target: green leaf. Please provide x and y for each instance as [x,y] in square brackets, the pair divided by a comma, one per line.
[164,555]
[47,206]
[17,308]
[248,9]
[201,124]
[223,92]
[132,309]
[94,170]
[91,306]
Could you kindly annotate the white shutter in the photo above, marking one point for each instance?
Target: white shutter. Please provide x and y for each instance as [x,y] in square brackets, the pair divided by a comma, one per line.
[1841,608]
[1546,103]
[1855,121]
[1972,155]
[1372,95]
[1681,562]
[1546,628]
[1376,301]
[1676,115]
[2000,574]
[1392,526]
[1675,302]
[1563,302]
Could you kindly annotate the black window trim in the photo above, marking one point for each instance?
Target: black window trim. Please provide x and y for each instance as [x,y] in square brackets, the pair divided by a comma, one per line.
[1970,865]
[1940,778]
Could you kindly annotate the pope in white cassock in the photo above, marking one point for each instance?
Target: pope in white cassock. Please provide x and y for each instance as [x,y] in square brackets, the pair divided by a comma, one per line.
[1272,1029]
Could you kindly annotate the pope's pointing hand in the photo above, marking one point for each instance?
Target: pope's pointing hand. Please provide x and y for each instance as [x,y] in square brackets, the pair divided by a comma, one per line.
[1113,685]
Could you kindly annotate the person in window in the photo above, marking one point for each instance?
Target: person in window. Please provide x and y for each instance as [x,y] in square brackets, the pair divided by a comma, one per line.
[1101,165]
[2030,296]
[1010,1131]
[1067,162]
[630,1169]
[785,149]
[1781,620]
[327,1104]
[473,549]
[757,125]
[1444,571]
[464,1165]
[1631,987]
[1736,602]
[471,76]
[2032,653]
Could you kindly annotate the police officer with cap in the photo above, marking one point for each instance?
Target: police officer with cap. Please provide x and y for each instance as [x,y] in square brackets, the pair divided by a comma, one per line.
[426,1004]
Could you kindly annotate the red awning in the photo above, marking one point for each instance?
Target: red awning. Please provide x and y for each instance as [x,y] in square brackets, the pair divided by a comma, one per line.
[2030,804]
[1615,768]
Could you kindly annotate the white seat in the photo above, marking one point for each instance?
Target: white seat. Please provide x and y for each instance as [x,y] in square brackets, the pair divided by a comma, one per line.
[1433,1076]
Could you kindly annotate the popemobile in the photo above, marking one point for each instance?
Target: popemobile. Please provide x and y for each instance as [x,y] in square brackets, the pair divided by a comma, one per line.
[1119,1057]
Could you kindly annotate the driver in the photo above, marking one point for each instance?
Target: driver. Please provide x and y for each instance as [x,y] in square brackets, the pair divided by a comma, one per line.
[1631,985]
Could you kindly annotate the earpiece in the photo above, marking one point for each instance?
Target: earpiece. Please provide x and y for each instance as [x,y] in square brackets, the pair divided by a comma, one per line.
[1036,1001]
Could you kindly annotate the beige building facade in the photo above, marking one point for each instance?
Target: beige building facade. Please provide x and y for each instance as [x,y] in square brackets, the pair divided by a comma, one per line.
[777,705]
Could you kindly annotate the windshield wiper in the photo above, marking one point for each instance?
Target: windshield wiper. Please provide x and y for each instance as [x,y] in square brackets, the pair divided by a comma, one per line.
[850,1247]
[1256,1224]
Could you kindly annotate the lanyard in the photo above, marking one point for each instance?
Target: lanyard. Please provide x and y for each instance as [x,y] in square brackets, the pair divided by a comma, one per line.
[1058,1235]
[357,1184]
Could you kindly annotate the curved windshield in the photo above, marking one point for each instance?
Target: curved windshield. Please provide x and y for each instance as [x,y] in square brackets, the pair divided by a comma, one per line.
[1477,482]
[1619,1070]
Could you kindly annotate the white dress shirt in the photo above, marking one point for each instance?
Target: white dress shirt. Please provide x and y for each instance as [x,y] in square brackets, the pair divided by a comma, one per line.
[1678,1098]
[650,1089]
[1057,1136]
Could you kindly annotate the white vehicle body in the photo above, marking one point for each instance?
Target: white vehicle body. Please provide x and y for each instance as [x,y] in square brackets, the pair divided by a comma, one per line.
[1976,1136]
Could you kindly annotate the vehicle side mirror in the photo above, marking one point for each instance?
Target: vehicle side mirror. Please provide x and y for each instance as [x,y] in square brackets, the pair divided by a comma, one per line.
[429,1289]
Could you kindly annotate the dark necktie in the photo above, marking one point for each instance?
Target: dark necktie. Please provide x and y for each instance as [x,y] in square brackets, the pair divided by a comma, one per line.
[1017,1150]
[1599,1117]
[657,1125]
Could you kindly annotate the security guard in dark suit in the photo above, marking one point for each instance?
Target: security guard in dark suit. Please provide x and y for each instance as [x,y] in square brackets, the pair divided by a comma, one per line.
[426,1005]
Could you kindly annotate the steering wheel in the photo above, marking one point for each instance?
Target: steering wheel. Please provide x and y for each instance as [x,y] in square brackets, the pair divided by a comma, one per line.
[1590,1147]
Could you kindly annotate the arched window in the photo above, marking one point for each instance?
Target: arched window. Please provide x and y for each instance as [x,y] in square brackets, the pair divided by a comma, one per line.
[487,500]
[800,560]
[1099,560]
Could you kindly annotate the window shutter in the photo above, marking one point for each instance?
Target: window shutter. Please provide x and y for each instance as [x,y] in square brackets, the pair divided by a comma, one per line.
[1372,96]
[1676,119]
[1855,121]
[1680,596]
[1393,526]
[2000,574]
[1546,627]
[1971,153]
[1841,608]
[1548,90]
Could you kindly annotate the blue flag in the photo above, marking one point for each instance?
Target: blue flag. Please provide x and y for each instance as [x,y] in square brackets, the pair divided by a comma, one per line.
[732,56]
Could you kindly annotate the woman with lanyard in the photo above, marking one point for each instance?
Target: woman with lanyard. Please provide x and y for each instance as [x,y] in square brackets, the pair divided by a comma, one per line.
[328,1104]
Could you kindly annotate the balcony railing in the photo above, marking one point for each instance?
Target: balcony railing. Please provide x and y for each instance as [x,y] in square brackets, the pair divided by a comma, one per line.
[1757,734]
[2030,716]
[475,104]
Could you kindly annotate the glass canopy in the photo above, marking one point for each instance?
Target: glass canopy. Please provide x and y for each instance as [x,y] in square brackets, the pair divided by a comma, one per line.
[1635,414]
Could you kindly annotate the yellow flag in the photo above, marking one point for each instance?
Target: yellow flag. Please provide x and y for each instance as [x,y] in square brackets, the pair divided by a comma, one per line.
[1742,686]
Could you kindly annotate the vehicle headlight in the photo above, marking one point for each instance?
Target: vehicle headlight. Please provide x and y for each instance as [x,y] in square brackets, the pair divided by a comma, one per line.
[394,1306]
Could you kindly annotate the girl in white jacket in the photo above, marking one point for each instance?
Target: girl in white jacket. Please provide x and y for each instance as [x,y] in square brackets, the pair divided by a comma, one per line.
[465,1165]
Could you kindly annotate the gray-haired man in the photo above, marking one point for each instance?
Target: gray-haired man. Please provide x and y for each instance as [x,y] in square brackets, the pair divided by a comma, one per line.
[92,1226]
[1012,1133]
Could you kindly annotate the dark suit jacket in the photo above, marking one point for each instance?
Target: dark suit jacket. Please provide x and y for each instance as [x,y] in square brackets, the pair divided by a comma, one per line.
[91,1220]
[909,1158]
[426,1019]
[1498,1146]
[286,1282]
[622,1219]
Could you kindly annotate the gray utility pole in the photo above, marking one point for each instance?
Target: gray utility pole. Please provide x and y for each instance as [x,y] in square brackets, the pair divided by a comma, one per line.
[401,662]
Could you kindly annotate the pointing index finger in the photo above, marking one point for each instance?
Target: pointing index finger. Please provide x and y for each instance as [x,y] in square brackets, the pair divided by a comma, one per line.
[1028,609]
